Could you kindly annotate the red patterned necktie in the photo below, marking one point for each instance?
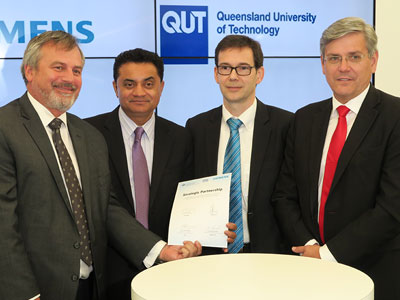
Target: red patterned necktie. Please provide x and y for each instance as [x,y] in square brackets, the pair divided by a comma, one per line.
[335,147]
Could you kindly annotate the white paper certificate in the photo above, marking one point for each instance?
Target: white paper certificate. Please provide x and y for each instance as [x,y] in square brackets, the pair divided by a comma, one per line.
[201,211]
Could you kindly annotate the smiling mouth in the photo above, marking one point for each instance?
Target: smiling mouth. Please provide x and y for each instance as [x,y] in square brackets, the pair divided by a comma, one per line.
[139,101]
[65,87]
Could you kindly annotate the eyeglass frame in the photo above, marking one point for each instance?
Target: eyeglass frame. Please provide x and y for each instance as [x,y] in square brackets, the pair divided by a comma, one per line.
[347,58]
[234,68]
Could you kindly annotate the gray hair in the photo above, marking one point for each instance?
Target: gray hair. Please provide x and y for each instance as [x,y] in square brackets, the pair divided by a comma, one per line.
[349,25]
[32,53]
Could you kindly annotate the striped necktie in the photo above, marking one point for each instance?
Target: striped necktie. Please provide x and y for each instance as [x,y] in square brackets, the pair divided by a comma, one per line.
[232,165]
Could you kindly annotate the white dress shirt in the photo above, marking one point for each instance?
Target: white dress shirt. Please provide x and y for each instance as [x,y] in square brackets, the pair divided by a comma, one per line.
[354,105]
[246,145]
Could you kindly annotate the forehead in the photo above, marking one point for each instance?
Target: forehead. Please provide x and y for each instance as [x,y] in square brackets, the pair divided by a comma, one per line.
[236,56]
[51,53]
[349,43]
[138,71]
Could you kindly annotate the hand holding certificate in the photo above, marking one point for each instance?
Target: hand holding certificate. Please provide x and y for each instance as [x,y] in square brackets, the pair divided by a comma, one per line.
[201,211]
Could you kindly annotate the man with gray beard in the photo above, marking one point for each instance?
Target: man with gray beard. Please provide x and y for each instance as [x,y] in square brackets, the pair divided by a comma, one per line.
[57,210]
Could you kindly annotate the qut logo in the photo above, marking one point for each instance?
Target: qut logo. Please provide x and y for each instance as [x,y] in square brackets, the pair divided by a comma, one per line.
[184,34]
[20,29]
[174,23]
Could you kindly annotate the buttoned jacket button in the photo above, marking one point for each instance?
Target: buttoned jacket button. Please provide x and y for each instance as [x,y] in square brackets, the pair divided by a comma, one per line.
[74,277]
[77,245]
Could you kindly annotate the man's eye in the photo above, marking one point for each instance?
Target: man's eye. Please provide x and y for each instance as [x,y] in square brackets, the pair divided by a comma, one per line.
[244,68]
[355,57]
[334,58]
[225,68]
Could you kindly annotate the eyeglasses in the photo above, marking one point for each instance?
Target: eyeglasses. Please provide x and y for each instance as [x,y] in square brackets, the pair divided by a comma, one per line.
[337,59]
[243,70]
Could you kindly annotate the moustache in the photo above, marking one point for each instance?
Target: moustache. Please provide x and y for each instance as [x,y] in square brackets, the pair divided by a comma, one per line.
[67,85]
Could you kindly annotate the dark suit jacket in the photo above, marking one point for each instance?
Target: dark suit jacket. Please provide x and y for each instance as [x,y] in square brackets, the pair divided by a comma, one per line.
[171,164]
[38,232]
[362,212]
[270,128]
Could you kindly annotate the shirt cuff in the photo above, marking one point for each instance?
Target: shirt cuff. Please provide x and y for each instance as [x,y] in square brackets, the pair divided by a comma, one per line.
[326,254]
[151,257]
[312,242]
[37,296]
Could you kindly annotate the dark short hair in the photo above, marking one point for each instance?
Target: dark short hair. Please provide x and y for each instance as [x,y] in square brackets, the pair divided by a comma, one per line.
[241,41]
[138,55]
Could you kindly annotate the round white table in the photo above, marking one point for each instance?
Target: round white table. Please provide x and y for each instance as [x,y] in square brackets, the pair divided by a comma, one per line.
[252,276]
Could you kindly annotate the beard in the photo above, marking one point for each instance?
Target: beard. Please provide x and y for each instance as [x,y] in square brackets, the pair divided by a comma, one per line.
[60,101]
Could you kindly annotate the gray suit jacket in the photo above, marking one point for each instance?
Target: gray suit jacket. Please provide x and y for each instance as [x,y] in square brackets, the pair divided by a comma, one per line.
[38,232]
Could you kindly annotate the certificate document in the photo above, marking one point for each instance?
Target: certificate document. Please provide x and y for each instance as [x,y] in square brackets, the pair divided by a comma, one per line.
[201,211]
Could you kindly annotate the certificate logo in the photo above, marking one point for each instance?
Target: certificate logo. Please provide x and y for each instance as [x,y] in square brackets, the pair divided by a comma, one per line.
[184,34]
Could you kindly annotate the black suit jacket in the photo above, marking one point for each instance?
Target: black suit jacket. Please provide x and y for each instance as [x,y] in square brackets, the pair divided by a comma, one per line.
[171,164]
[362,212]
[270,128]
[38,233]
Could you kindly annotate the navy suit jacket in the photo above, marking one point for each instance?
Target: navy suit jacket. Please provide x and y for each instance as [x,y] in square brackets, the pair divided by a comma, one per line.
[362,212]
[171,164]
[270,129]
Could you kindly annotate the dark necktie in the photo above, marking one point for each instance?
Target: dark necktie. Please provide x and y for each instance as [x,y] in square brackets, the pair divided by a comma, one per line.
[141,179]
[232,165]
[74,191]
[335,148]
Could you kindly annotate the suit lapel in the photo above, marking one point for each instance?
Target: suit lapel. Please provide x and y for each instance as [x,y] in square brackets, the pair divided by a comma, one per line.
[34,126]
[261,136]
[213,130]
[361,126]
[163,144]
[116,148]
[319,127]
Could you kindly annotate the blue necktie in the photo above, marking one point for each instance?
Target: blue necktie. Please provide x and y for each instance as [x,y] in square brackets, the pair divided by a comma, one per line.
[232,165]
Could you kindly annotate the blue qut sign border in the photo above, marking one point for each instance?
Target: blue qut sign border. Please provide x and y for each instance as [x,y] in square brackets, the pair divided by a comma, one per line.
[184,34]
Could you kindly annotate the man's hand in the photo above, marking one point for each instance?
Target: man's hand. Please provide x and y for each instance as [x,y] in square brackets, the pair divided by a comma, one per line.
[307,251]
[189,249]
[230,233]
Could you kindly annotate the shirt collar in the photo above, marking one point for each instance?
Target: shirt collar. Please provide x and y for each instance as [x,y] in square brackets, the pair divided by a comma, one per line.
[247,117]
[129,126]
[354,104]
[44,114]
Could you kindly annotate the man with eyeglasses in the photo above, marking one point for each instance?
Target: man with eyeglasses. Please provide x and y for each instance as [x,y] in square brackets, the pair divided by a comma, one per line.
[338,194]
[256,132]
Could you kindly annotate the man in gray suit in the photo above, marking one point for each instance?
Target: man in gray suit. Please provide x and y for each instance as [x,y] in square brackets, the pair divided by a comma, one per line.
[57,207]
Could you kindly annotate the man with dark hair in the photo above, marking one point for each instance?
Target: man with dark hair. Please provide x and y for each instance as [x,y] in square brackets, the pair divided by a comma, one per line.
[138,84]
[57,208]
[246,138]
[337,197]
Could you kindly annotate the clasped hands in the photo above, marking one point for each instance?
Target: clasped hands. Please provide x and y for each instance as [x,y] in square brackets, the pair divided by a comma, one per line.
[190,249]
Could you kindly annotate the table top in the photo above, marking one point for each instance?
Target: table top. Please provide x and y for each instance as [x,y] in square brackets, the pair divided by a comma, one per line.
[252,276]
